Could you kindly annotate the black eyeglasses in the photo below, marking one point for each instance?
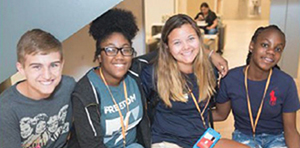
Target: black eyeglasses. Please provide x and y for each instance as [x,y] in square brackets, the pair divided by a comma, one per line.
[113,51]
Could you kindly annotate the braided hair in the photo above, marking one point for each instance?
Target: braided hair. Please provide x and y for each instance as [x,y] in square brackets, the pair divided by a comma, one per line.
[257,33]
[114,20]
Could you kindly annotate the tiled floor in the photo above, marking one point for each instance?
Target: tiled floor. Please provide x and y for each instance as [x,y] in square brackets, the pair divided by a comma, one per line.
[238,35]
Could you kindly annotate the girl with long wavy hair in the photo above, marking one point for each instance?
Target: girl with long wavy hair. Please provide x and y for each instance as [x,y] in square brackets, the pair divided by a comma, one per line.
[184,80]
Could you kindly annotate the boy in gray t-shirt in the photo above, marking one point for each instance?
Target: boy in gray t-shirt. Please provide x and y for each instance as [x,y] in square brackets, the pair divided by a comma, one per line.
[36,112]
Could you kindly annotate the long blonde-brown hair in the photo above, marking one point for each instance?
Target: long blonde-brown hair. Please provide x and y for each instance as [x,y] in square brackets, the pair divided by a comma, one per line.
[171,82]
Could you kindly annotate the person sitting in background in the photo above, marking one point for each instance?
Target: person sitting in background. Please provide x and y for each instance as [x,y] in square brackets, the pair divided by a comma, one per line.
[209,17]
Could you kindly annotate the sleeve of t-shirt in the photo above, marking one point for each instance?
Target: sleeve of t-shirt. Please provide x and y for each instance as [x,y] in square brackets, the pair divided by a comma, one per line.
[222,95]
[9,128]
[214,16]
[196,17]
[291,101]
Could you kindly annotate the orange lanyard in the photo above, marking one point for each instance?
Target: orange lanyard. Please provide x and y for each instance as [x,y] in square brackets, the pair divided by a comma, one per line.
[124,129]
[198,108]
[253,125]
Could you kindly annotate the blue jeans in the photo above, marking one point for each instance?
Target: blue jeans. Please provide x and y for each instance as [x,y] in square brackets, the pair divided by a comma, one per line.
[261,140]
[212,31]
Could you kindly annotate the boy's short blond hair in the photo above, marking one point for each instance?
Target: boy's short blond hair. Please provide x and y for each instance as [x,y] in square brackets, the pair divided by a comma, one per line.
[37,41]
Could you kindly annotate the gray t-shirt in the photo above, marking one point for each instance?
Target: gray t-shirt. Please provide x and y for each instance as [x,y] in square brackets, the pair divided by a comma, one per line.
[110,118]
[30,123]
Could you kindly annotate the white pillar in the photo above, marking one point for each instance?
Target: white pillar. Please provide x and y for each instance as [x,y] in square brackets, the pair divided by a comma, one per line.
[286,14]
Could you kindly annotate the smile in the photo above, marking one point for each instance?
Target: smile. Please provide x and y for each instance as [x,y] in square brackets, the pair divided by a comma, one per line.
[187,53]
[268,60]
[47,82]
[119,65]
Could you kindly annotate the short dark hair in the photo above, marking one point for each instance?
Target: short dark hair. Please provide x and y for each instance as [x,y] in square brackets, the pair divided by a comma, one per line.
[261,29]
[204,4]
[114,20]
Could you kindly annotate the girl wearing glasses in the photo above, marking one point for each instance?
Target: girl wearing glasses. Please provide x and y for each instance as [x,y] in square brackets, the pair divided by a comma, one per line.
[107,101]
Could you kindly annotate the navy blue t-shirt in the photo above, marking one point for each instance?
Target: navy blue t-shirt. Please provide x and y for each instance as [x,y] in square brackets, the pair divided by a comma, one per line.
[180,124]
[281,97]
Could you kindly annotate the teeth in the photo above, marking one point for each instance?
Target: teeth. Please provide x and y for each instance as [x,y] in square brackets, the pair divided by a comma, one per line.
[119,65]
[187,53]
[46,83]
[268,59]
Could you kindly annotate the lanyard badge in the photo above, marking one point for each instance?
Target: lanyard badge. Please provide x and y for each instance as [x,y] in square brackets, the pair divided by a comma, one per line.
[208,139]
[124,127]
[210,136]
[198,108]
[254,125]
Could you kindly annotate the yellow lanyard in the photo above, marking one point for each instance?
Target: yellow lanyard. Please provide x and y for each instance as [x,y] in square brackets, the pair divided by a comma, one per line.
[253,125]
[124,129]
[198,108]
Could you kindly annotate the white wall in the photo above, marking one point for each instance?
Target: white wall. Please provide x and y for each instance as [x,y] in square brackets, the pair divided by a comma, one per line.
[154,10]
[62,18]
[181,6]
[286,14]
[239,9]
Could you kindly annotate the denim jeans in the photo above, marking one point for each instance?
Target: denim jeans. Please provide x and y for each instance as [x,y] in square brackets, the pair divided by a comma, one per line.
[212,31]
[261,140]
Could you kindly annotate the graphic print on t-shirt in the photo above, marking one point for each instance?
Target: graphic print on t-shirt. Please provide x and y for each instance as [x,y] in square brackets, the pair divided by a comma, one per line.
[113,128]
[273,98]
[110,116]
[37,131]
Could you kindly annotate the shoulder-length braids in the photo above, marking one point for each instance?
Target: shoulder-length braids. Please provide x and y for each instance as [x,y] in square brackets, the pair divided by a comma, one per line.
[171,82]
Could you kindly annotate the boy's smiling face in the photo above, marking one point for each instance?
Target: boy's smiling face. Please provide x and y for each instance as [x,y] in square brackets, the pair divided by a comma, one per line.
[43,73]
